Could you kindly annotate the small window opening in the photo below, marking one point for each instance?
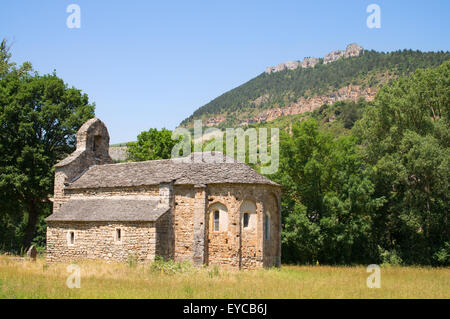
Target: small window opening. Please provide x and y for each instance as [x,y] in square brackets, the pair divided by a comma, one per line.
[246,218]
[96,143]
[118,234]
[216,220]
[72,238]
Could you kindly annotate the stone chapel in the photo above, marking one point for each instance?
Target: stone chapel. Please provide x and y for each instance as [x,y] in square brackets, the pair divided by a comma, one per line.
[222,214]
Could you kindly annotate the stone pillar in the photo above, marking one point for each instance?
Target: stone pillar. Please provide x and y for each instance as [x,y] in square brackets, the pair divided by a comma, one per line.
[166,240]
[199,224]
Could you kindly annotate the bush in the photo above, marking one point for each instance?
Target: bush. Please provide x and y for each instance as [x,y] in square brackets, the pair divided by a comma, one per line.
[442,256]
[170,267]
[389,257]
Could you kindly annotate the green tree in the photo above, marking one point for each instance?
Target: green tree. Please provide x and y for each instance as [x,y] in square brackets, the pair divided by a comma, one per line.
[327,200]
[152,145]
[39,117]
[5,55]
[405,136]
[6,65]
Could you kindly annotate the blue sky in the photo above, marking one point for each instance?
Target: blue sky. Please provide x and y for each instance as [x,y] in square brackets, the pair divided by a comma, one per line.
[152,63]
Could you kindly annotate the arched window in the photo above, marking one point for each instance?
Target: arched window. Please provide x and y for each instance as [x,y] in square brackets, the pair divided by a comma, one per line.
[216,220]
[218,217]
[246,218]
[248,215]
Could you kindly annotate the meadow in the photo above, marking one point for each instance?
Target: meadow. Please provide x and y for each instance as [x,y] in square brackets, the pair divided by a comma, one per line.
[22,278]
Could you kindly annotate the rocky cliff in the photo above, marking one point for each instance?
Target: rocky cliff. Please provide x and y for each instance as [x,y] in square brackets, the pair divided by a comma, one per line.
[348,74]
[290,65]
[302,105]
[309,62]
[351,50]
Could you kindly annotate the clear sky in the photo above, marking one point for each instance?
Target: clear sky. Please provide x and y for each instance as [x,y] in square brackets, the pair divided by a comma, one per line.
[152,63]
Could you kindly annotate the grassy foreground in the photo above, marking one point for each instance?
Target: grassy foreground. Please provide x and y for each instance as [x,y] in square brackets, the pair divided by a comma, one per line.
[27,279]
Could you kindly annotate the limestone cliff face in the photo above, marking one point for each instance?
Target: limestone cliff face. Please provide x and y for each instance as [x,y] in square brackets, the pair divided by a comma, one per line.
[302,105]
[351,50]
[290,65]
[309,62]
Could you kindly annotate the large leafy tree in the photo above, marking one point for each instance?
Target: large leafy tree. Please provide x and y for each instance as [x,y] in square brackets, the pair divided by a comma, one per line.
[327,200]
[405,136]
[152,145]
[39,117]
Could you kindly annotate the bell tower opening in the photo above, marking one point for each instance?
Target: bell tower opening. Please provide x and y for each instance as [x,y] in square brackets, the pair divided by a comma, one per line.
[96,143]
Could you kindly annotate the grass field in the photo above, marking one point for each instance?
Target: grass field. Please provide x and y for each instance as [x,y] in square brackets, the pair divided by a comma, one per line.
[27,279]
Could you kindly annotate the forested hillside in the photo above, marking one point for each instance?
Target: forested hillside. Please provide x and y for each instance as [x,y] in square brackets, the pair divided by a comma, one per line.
[363,75]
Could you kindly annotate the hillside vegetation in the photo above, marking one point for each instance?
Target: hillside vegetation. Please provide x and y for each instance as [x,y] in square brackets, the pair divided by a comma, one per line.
[370,69]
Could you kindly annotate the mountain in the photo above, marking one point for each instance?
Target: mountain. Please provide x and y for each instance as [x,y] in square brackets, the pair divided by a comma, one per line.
[297,87]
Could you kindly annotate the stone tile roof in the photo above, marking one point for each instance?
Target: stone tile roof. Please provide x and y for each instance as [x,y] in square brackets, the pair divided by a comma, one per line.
[164,171]
[109,209]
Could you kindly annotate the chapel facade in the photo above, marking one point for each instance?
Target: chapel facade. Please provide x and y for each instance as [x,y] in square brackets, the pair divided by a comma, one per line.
[210,213]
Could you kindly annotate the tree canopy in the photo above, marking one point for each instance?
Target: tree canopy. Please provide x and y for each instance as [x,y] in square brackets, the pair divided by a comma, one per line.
[405,136]
[380,193]
[39,118]
[328,197]
[152,145]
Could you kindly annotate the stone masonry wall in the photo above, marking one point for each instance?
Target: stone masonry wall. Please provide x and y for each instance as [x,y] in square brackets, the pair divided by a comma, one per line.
[236,247]
[164,236]
[272,247]
[152,190]
[97,240]
[184,222]
[165,232]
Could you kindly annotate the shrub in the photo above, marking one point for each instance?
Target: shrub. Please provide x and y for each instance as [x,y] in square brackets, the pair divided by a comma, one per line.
[170,267]
[390,257]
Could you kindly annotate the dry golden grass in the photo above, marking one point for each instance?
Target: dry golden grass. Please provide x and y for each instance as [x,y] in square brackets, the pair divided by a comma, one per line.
[27,279]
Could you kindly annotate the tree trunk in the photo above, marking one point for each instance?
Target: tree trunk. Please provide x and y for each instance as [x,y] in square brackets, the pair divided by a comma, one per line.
[31,225]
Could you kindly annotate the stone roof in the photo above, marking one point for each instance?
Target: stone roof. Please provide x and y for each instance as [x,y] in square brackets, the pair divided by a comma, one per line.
[109,209]
[165,171]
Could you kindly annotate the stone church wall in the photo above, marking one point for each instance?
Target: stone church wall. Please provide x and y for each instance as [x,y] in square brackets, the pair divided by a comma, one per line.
[97,240]
[184,222]
[240,247]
